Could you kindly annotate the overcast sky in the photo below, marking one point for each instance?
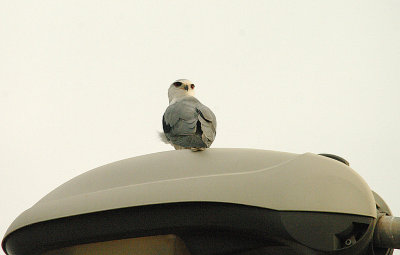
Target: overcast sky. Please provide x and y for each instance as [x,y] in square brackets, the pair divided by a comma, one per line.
[84,83]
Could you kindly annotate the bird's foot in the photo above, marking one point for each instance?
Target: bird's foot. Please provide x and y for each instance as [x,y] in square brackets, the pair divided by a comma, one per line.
[177,147]
[197,149]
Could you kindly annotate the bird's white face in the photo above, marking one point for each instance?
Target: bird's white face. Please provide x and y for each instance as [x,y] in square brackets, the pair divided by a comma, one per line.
[180,88]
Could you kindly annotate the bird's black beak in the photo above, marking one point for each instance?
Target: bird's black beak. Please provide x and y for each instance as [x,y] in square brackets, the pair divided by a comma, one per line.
[186,87]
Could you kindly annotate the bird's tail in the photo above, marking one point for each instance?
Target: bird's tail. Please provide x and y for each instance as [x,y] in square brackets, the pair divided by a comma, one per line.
[163,138]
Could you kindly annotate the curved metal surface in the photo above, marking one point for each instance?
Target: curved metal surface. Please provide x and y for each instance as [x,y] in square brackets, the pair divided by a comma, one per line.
[267,179]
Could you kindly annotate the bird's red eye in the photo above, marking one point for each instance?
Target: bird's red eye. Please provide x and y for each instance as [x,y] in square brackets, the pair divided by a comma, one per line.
[192,86]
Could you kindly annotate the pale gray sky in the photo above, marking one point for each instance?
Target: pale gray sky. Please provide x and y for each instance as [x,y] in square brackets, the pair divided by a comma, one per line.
[84,83]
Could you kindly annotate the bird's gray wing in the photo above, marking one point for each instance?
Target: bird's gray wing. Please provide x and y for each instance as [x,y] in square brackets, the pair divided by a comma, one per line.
[180,119]
[208,123]
[189,123]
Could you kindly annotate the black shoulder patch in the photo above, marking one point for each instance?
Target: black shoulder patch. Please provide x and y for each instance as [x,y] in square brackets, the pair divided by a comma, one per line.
[166,127]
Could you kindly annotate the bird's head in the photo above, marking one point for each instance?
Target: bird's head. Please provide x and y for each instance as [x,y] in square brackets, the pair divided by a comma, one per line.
[180,88]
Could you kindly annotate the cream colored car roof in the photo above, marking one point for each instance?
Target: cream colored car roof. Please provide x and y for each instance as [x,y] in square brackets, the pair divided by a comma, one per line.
[268,179]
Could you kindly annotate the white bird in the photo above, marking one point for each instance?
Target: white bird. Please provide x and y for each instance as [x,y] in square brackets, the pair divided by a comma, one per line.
[187,123]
